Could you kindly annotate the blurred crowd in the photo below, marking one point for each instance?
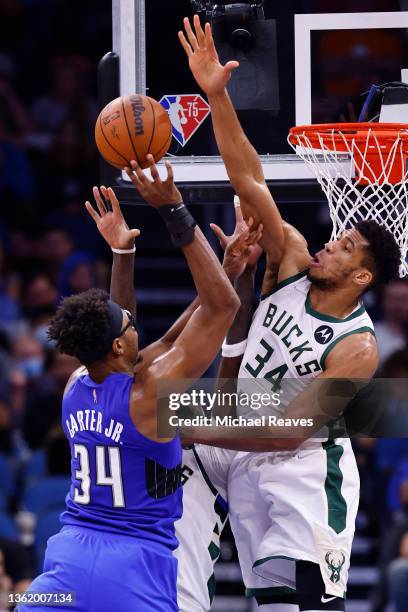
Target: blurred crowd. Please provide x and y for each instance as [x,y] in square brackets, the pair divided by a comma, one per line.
[50,249]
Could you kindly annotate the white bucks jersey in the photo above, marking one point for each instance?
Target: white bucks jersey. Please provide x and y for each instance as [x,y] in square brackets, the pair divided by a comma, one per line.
[290,341]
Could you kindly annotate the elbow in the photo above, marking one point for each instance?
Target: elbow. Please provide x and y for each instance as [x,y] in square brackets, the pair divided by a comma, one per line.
[228,308]
[232,305]
[225,304]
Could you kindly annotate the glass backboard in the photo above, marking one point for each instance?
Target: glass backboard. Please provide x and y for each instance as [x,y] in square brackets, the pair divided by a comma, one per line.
[325,62]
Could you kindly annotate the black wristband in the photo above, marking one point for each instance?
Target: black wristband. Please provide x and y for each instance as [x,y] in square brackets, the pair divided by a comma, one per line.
[179,222]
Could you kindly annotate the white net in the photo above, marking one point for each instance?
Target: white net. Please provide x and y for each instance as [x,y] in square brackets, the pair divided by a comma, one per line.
[363,178]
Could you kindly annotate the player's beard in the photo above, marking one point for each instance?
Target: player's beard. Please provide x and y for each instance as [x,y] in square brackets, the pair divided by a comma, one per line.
[328,284]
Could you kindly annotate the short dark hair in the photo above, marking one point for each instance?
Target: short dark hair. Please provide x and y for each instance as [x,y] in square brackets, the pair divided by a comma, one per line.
[383,255]
[80,325]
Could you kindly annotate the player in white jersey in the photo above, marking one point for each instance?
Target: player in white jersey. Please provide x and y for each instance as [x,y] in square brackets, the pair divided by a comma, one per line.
[205,513]
[312,326]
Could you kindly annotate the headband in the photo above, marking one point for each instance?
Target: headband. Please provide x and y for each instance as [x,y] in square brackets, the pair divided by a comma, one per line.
[115,327]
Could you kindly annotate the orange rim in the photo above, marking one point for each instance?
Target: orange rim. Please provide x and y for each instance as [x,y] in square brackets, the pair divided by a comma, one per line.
[338,132]
[369,143]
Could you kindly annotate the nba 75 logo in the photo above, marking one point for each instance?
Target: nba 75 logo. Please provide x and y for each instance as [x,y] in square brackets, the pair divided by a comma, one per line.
[187,112]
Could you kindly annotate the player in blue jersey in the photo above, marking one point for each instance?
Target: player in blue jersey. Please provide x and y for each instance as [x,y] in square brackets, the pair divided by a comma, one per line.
[114,551]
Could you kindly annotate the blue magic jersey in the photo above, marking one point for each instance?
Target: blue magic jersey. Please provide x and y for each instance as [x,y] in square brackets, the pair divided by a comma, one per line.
[121,482]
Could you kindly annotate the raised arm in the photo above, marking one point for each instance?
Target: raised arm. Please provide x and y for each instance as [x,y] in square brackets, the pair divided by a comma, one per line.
[197,345]
[242,274]
[241,160]
[113,227]
[157,192]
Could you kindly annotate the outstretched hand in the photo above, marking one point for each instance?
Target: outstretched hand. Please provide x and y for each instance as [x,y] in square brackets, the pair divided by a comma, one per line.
[154,191]
[203,59]
[241,249]
[110,221]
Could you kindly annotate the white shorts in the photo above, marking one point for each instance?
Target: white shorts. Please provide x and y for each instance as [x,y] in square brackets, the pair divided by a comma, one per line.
[205,512]
[205,480]
[293,506]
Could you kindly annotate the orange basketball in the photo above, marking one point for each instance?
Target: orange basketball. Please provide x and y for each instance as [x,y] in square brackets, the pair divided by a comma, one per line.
[131,127]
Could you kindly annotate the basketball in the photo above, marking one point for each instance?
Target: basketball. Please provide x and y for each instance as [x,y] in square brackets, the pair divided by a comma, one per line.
[131,127]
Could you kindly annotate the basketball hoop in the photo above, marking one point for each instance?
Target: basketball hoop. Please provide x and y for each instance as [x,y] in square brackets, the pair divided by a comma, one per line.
[362,169]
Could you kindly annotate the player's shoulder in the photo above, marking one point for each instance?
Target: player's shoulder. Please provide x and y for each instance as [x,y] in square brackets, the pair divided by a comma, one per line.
[358,347]
[81,371]
[293,236]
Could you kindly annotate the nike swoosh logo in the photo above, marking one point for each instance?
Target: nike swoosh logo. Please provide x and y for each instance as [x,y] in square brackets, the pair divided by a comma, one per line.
[326,599]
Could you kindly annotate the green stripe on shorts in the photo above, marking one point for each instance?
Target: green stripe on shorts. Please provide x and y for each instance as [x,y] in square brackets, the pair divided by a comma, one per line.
[336,503]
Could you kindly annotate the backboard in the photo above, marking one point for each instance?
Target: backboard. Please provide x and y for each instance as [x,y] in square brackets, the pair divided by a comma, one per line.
[325,62]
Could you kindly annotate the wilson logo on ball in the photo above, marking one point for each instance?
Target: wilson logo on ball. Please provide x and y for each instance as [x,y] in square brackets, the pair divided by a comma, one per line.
[187,112]
[137,109]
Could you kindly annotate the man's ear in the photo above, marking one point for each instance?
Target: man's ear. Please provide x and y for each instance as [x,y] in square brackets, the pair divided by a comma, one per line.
[117,347]
[363,277]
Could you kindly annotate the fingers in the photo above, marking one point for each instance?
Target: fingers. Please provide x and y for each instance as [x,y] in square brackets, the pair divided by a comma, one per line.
[153,168]
[254,236]
[169,168]
[137,172]
[111,197]
[239,239]
[99,202]
[199,31]
[106,198]
[230,66]
[184,44]
[209,40]
[136,175]
[220,234]
[190,34]
[238,211]
[92,212]
[135,233]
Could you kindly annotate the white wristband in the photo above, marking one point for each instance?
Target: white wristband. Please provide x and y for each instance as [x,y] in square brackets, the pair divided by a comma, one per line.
[233,350]
[124,251]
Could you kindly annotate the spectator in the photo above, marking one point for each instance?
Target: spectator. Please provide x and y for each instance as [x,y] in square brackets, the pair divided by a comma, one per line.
[77,274]
[6,421]
[27,376]
[9,307]
[398,577]
[67,97]
[56,245]
[393,546]
[39,303]
[16,176]
[43,410]
[391,330]
[15,563]
[58,454]
[71,163]
[6,585]
[71,217]
[12,110]
[29,356]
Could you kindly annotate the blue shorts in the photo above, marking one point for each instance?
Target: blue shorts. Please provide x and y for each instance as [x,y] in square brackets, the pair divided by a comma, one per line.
[107,572]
